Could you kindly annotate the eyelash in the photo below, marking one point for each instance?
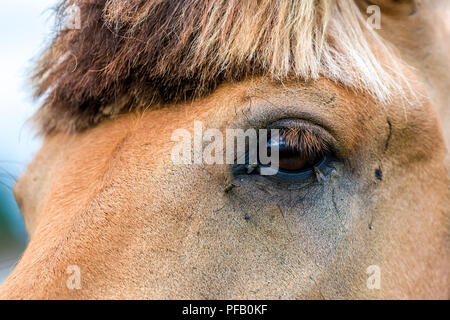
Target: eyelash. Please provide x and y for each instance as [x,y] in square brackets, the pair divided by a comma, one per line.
[305,141]
[309,146]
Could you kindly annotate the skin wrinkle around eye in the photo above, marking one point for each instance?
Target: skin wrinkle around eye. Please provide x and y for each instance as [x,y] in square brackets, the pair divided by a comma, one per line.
[322,104]
[305,129]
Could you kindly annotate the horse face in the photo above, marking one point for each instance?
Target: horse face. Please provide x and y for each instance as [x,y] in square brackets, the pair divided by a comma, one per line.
[110,215]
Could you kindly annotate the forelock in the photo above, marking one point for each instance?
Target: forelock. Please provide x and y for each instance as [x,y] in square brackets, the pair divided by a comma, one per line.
[131,55]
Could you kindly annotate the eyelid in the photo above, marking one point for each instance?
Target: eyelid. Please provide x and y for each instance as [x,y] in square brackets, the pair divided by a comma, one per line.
[321,137]
[261,114]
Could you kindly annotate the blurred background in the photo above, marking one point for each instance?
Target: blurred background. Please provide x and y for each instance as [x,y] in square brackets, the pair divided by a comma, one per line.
[24,30]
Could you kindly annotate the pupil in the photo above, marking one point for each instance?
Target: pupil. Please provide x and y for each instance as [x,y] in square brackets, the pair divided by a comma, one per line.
[290,158]
[292,163]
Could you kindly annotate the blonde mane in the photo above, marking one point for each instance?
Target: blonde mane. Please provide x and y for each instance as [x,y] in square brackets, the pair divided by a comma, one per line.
[132,55]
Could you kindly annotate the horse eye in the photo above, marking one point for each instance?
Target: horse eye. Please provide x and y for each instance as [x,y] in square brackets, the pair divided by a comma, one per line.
[295,156]
[304,151]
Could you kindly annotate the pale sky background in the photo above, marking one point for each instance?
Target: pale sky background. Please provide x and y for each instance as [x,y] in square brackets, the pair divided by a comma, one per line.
[24,27]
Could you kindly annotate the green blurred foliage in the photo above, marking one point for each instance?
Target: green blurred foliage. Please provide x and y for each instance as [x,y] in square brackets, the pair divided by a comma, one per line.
[5,227]
[12,229]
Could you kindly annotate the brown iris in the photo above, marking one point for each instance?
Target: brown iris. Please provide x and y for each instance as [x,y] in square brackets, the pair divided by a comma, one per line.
[300,149]
[293,163]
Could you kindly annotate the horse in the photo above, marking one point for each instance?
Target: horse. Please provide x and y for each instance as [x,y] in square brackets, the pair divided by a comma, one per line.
[358,208]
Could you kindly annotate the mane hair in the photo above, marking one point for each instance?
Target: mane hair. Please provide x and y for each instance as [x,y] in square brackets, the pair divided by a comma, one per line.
[135,54]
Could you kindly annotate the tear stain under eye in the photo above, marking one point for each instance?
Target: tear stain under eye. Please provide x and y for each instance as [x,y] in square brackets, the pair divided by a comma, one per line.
[301,215]
[333,199]
[293,199]
[258,201]
[337,210]
[284,219]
